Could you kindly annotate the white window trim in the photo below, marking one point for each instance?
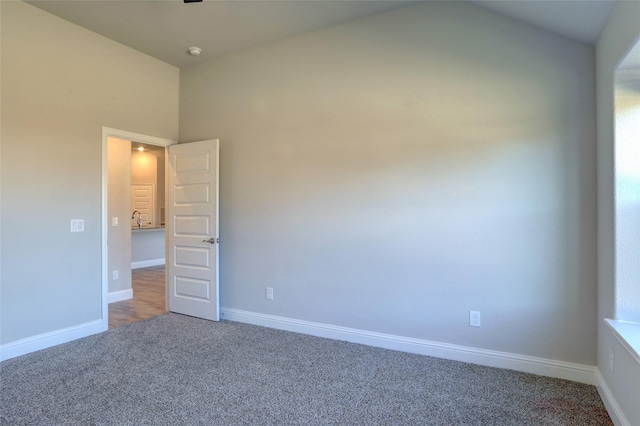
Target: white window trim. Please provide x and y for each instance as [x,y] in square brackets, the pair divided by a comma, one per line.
[628,334]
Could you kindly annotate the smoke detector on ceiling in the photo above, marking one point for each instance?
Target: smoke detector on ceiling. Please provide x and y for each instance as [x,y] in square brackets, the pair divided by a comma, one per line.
[194,51]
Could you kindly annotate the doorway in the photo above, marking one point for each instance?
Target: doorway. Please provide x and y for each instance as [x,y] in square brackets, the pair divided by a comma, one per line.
[137,253]
[146,203]
[116,223]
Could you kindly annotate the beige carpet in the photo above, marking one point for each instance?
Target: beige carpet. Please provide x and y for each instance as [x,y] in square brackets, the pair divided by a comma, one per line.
[177,370]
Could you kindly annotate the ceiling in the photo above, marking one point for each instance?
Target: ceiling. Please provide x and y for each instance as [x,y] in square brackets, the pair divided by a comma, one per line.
[165,29]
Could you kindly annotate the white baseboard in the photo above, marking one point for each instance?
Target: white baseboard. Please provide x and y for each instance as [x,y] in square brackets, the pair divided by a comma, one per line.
[118,296]
[541,366]
[615,412]
[46,340]
[147,263]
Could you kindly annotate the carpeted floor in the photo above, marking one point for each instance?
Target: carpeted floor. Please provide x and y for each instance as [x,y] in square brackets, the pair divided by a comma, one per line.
[174,370]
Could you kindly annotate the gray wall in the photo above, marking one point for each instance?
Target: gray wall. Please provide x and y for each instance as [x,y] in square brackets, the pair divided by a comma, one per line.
[394,172]
[620,34]
[147,245]
[60,85]
[119,205]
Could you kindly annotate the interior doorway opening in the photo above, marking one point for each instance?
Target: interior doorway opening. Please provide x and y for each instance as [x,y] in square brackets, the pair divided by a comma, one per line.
[118,225]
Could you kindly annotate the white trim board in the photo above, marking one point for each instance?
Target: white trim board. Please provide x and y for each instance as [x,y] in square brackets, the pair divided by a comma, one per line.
[147,263]
[528,364]
[47,340]
[628,334]
[610,403]
[118,296]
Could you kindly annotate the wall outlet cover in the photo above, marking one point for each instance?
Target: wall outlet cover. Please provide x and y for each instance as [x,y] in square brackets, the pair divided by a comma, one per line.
[611,360]
[474,318]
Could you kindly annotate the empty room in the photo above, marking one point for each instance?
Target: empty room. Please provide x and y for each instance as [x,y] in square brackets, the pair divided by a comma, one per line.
[377,212]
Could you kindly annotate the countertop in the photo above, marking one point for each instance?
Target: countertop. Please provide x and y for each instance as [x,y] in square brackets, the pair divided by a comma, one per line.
[148,228]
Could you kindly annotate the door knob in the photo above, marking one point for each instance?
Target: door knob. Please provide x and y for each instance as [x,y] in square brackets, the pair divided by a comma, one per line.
[211,240]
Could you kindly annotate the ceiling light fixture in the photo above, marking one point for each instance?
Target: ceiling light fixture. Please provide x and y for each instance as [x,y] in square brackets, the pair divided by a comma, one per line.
[192,1]
[141,148]
[194,51]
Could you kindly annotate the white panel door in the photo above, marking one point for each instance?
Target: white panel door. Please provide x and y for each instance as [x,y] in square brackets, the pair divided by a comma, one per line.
[192,229]
[143,202]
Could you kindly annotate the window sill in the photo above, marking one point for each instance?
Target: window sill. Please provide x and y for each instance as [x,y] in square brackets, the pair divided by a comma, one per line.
[628,334]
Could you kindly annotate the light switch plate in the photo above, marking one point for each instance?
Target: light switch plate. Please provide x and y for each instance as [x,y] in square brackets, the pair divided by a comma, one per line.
[77,225]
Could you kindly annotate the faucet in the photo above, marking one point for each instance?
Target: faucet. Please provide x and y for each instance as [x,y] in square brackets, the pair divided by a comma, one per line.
[139,221]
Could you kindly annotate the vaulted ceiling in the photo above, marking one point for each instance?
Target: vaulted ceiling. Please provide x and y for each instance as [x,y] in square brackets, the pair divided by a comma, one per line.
[165,29]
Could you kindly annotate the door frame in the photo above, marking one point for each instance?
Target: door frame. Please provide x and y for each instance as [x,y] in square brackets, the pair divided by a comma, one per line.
[108,132]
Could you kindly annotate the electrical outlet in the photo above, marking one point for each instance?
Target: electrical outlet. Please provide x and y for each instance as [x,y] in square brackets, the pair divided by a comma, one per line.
[611,360]
[269,293]
[114,221]
[116,275]
[474,318]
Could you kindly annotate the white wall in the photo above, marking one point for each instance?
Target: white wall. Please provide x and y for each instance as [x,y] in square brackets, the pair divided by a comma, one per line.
[119,205]
[620,34]
[60,85]
[394,172]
